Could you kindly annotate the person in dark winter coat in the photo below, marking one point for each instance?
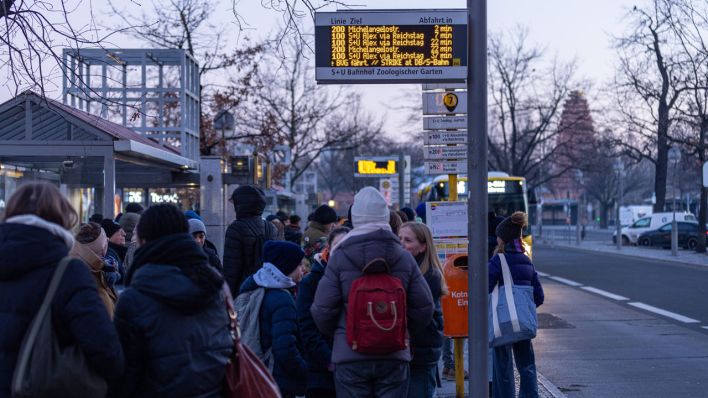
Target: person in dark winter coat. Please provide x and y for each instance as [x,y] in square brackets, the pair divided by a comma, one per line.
[426,345]
[117,248]
[282,270]
[246,236]
[357,374]
[318,347]
[523,273]
[130,219]
[315,237]
[172,319]
[292,230]
[198,231]
[34,238]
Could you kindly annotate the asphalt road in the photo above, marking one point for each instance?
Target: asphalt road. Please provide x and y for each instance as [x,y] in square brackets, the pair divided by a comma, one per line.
[680,290]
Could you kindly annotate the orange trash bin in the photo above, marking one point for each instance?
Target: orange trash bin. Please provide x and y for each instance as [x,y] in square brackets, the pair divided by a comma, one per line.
[455,304]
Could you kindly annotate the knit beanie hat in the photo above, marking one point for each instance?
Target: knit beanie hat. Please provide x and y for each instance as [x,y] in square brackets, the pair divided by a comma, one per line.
[195,226]
[286,256]
[93,237]
[134,208]
[369,208]
[324,215]
[511,227]
[110,226]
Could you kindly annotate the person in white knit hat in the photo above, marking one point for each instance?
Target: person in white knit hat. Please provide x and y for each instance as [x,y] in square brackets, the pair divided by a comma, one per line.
[358,374]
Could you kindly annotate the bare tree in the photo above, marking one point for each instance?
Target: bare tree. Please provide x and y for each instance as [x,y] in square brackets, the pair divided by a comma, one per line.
[33,35]
[648,88]
[689,24]
[526,98]
[188,25]
[291,109]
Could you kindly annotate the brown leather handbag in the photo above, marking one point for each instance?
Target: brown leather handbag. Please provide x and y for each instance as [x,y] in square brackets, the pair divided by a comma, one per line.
[246,375]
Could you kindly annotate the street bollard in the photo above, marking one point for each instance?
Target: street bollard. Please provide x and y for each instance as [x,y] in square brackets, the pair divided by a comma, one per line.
[455,307]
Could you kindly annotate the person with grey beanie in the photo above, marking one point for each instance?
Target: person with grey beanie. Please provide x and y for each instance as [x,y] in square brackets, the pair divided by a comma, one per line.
[198,231]
[358,374]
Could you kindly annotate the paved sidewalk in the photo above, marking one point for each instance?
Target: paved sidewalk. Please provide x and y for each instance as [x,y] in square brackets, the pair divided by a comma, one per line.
[546,389]
[654,253]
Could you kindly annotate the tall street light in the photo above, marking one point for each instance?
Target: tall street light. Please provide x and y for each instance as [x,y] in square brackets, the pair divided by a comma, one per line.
[674,158]
[619,169]
[579,205]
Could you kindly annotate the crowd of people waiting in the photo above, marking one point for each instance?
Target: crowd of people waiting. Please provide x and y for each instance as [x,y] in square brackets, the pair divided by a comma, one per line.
[143,296]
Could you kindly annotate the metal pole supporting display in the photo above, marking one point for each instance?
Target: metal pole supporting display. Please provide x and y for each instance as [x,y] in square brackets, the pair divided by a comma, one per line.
[477,190]
[401,181]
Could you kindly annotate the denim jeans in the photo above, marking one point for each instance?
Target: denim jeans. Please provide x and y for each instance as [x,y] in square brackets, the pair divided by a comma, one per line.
[423,381]
[503,381]
[372,379]
[447,355]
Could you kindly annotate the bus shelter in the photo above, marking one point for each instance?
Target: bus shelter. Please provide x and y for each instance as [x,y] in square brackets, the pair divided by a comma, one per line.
[90,158]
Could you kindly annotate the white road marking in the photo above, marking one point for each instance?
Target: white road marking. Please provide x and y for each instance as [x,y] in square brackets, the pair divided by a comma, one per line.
[665,313]
[704,327]
[543,274]
[566,281]
[604,293]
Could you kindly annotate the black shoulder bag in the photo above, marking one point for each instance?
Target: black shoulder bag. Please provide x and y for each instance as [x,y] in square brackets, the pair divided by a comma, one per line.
[44,369]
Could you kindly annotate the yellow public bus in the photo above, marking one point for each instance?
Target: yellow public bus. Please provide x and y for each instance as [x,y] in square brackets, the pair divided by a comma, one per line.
[505,195]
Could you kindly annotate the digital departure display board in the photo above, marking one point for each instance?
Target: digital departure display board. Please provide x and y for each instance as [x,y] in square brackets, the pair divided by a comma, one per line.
[406,46]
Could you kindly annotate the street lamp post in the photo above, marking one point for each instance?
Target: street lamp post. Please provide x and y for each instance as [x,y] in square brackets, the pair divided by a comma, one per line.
[578,237]
[619,168]
[674,158]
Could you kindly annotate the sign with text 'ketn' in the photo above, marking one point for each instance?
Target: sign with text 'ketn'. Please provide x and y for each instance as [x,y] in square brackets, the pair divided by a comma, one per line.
[391,46]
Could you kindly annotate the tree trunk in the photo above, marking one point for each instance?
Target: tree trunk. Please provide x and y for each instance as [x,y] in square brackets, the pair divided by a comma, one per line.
[702,220]
[662,162]
[604,213]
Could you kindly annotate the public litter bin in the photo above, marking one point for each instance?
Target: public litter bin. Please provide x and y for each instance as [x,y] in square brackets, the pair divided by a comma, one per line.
[455,303]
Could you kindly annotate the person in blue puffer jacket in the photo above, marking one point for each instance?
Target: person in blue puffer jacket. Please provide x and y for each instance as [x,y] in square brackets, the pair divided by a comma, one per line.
[277,317]
[318,347]
[426,344]
[524,273]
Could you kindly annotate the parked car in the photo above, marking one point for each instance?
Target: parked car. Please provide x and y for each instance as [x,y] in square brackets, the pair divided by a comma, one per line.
[631,233]
[687,236]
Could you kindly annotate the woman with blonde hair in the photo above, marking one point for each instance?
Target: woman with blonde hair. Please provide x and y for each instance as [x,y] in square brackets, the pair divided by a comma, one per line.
[426,345]
[510,245]
[34,239]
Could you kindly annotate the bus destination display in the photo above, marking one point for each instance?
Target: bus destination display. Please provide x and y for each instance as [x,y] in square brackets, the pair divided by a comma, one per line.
[391,46]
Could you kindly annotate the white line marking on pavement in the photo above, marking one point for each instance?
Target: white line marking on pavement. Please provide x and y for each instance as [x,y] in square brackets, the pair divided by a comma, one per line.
[665,313]
[604,293]
[543,274]
[566,281]
[704,327]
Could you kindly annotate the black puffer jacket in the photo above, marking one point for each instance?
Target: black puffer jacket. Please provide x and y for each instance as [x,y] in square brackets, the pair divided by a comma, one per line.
[28,257]
[173,324]
[245,237]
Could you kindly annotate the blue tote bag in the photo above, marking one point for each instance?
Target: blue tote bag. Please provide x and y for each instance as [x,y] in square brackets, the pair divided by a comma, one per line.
[512,311]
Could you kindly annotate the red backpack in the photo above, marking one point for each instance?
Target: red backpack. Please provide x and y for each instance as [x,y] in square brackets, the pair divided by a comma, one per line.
[376,313]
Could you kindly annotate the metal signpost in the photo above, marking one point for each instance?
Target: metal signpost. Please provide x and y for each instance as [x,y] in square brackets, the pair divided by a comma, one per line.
[619,169]
[477,202]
